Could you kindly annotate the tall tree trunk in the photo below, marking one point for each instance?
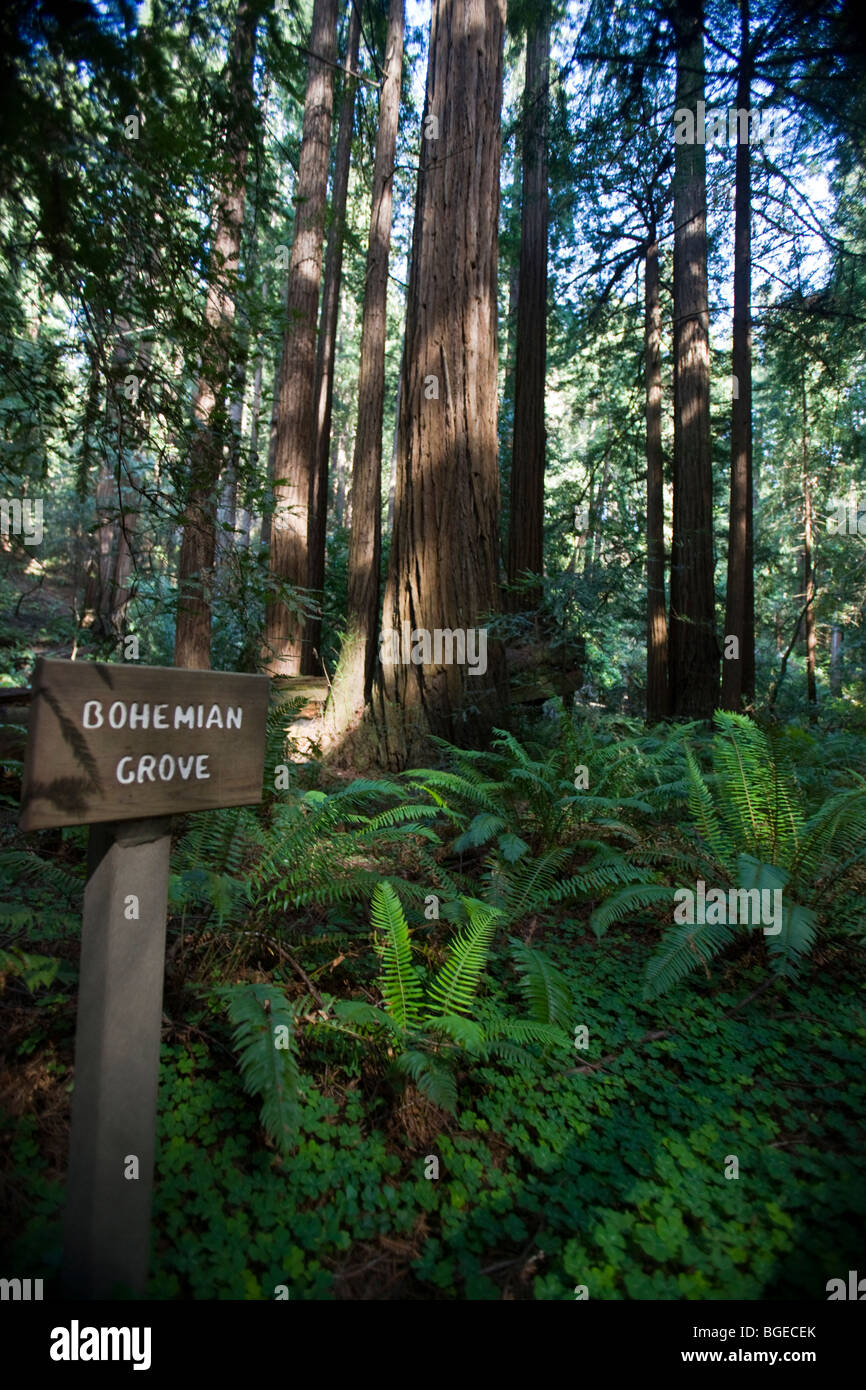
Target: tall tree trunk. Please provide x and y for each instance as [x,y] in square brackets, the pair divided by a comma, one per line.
[443,573]
[324,388]
[835,660]
[808,570]
[97,598]
[693,652]
[739,611]
[353,679]
[395,440]
[526,529]
[197,551]
[123,568]
[294,465]
[656,621]
[243,519]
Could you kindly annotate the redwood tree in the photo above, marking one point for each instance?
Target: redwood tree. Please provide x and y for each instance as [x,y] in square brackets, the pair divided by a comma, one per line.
[657,632]
[693,653]
[443,562]
[526,529]
[294,444]
[324,388]
[198,546]
[738,671]
[354,675]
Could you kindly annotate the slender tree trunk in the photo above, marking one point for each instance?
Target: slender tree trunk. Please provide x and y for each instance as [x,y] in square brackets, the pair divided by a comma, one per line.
[836,660]
[294,464]
[244,518]
[324,389]
[97,591]
[443,570]
[353,679]
[693,652]
[808,571]
[596,511]
[526,530]
[657,631]
[395,440]
[197,551]
[123,569]
[739,622]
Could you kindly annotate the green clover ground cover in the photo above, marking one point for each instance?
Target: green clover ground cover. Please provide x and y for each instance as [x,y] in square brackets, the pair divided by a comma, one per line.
[617,1175]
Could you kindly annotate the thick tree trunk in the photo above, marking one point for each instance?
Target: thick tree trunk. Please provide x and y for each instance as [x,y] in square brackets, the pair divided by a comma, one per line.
[311,663]
[693,652]
[442,578]
[352,682]
[197,551]
[294,447]
[739,611]
[526,530]
[656,621]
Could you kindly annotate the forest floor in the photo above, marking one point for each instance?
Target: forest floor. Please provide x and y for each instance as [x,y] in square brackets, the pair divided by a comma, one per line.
[705,1144]
[611,1168]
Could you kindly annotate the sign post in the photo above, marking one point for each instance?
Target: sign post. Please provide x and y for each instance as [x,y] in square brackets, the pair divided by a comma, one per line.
[122,749]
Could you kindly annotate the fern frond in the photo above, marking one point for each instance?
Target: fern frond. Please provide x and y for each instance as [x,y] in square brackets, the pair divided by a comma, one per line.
[545,989]
[453,988]
[432,1077]
[625,900]
[269,1071]
[400,988]
[682,949]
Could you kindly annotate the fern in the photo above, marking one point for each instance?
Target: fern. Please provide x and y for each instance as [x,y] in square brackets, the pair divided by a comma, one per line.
[545,989]
[433,1077]
[625,900]
[682,948]
[453,988]
[400,986]
[269,1071]
[23,863]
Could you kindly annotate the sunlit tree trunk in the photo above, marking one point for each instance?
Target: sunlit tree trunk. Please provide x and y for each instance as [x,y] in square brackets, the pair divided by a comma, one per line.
[443,561]
[294,445]
[324,392]
[354,675]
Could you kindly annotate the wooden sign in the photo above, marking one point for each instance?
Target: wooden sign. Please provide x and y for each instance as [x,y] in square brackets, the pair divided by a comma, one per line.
[111,742]
[123,748]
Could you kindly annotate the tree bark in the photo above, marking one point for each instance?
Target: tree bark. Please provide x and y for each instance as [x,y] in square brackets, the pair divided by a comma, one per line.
[808,571]
[443,573]
[294,445]
[324,389]
[737,674]
[353,679]
[197,551]
[693,652]
[526,529]
[657,632]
